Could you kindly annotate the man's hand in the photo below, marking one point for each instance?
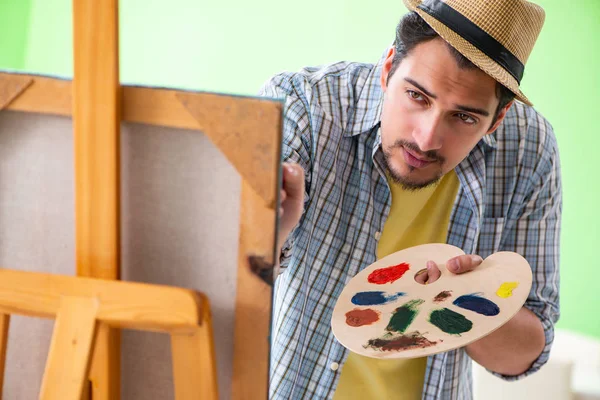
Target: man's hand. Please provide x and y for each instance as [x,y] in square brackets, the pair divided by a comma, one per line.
[512,348]
[292,200]
[456,265]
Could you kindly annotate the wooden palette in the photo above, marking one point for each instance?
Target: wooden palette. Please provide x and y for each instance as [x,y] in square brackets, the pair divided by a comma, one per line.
[405,319]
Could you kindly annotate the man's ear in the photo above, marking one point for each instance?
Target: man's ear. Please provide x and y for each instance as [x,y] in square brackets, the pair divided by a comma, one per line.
[500,118]
[387,67]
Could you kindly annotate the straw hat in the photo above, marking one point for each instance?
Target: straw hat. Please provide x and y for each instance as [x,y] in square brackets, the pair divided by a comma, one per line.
[495,35]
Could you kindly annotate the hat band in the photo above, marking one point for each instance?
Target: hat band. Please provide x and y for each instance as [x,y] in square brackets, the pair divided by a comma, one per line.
[474,35]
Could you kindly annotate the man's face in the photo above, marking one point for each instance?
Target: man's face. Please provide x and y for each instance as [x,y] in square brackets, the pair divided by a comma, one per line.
[433,114]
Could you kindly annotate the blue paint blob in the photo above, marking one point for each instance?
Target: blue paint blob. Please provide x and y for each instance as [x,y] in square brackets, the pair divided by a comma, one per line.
[374,298]
[477,304]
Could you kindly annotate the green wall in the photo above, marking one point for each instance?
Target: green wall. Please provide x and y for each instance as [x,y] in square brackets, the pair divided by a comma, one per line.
[14,27]
[233,46]
[50,38]
[564,84]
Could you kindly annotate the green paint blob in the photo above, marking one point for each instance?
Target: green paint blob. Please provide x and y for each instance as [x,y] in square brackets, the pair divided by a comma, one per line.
[450,322]
[404,316]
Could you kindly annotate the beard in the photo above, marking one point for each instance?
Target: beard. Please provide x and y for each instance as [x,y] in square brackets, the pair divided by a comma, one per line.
[407,182]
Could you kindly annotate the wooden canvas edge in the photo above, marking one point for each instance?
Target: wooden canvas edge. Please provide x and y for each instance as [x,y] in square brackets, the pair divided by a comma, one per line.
[254,297]
[179,109]
[43,95]
[11,87]
[257,258]
[240,128]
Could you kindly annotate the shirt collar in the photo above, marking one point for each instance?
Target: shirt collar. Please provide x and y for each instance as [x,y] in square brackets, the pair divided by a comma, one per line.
[367,108]
[490,140]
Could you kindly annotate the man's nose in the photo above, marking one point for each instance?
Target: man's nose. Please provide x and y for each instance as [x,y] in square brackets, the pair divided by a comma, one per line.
[428,134]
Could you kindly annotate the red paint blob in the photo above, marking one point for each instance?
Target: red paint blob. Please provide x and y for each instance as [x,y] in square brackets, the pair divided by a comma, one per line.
[389,274]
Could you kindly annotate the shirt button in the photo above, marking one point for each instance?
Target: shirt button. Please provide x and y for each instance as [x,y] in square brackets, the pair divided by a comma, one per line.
[377,235]
[334,366]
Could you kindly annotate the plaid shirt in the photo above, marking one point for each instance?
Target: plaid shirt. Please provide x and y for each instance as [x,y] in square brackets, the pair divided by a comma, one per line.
[509,199]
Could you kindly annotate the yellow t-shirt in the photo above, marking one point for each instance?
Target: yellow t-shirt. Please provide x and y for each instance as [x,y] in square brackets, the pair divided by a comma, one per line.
[416,217]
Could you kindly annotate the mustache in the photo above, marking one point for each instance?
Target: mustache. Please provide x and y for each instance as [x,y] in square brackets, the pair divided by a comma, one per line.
[430,155]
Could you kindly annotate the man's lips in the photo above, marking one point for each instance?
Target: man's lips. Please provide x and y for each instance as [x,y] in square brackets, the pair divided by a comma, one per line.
[414,160]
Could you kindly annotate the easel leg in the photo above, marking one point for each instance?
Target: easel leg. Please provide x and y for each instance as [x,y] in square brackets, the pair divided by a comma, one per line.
[4,324]
[105,374]
[68,363]
[194,366]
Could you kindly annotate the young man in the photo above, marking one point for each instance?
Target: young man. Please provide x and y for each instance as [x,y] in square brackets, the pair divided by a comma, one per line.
[428,145]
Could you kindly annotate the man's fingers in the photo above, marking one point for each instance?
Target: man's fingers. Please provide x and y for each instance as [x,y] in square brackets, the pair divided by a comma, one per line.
[433,271]
[457,265]
[462,264]
[421,277]
[292,199]
[293,181]
[428,275]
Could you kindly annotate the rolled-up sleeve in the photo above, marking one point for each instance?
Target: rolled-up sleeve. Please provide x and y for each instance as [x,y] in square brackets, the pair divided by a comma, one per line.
[297,138]
[535,234]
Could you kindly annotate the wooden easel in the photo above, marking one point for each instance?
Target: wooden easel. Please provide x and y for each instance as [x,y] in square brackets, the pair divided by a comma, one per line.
[79,305]
[98,103]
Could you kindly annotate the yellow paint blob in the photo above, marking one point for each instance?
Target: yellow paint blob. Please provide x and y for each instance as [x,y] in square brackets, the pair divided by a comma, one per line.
[506,289]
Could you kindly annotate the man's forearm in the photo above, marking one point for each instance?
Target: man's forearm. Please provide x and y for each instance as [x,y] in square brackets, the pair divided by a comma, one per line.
[511,349]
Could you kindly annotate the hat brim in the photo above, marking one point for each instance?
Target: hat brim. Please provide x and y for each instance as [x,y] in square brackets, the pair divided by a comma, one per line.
[472,53]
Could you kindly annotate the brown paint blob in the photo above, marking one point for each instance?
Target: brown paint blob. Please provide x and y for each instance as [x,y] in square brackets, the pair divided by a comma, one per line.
[358,317]
[442,296]
[403,342]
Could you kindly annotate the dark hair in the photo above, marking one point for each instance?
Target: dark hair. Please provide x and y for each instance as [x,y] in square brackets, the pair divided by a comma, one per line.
[413,30]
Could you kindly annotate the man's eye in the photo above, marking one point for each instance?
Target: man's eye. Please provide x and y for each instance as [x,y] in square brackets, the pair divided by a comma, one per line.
[414,95]
[466,118]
